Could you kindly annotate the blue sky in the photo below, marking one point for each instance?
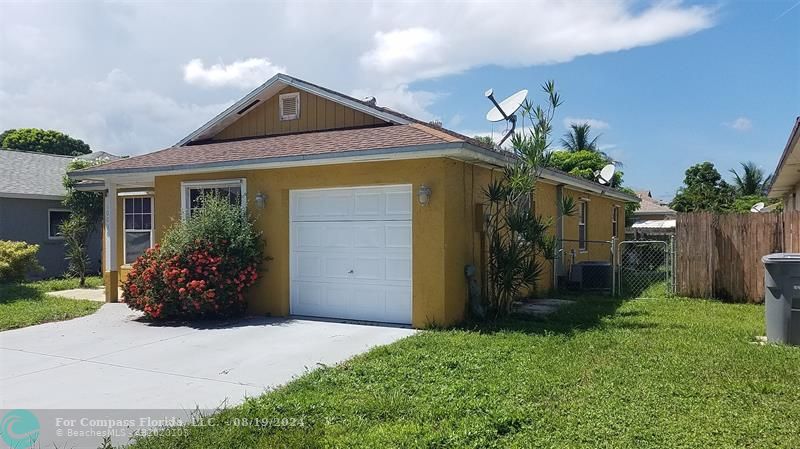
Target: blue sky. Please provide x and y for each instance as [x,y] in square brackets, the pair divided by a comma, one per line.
[668,83]
[672,104]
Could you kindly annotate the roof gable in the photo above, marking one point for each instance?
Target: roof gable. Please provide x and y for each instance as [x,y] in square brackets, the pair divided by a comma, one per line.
[315,114]
[260,103]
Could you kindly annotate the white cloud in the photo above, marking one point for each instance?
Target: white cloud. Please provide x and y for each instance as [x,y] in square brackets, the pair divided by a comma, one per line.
[741,124]
[422,45]
[111,114]
[594,123]
[246,73]
[123,77]
[420,50]
[400,98]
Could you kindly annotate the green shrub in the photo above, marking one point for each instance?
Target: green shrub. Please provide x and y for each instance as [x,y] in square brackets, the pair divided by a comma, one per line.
[17,259]
[202,269]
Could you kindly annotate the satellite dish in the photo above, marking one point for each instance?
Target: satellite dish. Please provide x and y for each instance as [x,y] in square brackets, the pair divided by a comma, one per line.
[605,174]
[757,207]
[505,110]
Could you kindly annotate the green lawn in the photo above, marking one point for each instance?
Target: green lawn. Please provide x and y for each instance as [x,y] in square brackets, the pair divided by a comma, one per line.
[643,373]
[26,304]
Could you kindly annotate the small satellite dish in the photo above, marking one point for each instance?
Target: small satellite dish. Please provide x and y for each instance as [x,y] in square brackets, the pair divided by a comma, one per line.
[605,174]
[505,110]
[757,207]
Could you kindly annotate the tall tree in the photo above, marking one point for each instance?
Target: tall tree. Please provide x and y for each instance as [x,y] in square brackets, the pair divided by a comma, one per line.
[43,141]
[579,138]
[751,181]
[704,190]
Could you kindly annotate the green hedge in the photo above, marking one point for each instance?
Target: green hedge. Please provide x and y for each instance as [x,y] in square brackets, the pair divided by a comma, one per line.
[17,259]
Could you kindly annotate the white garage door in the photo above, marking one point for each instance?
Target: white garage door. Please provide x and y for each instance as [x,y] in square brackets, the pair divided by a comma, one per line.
[351,253]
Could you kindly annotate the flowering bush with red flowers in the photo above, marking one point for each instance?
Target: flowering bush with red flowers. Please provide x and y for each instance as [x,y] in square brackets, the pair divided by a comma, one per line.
[202,269]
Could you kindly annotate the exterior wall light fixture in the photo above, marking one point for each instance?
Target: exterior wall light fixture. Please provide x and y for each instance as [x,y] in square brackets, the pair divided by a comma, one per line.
[424,195]
[261,200]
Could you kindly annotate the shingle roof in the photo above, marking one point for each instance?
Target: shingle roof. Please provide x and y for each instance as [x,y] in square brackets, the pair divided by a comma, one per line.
[650,205]
[265,148]
[25,173]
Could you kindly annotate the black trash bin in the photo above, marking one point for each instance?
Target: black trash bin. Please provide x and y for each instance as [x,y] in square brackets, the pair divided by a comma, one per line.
[782,297]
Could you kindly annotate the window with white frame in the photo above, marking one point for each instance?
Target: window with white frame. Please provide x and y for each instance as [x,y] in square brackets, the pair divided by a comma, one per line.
[55,218]
[583,208]
[138,213]
[194,192]
[614,221]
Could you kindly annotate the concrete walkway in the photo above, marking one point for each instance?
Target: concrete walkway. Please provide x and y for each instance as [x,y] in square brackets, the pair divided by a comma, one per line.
[91,294]
[113,360]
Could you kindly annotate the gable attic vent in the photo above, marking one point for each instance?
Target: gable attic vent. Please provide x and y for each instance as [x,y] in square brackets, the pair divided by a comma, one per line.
[247,108]
[289,105]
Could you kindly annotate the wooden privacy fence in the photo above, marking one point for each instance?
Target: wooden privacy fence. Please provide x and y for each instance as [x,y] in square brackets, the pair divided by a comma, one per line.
[719,255]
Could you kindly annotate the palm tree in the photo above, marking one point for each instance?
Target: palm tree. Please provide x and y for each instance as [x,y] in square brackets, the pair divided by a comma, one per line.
[578,138]
[752,180]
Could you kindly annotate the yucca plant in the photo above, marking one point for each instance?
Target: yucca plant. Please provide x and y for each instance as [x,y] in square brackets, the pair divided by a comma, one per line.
[516,236]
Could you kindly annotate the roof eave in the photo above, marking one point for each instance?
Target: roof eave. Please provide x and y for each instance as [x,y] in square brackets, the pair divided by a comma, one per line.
[791,145]
[447,149]
[585,184]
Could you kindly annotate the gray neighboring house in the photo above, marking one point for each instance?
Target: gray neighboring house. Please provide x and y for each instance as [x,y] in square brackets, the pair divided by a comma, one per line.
[31,192]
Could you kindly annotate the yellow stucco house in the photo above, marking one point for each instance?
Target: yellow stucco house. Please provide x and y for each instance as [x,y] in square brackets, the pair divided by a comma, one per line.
[368,214]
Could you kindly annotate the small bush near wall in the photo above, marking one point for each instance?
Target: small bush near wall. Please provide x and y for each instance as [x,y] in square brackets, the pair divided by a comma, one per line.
[17,259]
[202,268]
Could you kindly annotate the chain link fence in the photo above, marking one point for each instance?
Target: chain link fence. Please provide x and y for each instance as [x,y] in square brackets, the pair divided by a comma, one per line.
[586,266]
[646,268]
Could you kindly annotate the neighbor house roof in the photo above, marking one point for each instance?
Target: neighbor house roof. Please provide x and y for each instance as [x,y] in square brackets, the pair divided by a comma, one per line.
[32,175]
[26,174]
[650,205]
[786,175]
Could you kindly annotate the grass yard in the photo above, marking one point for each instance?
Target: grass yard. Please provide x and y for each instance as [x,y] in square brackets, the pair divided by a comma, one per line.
[643,373]
[26,304]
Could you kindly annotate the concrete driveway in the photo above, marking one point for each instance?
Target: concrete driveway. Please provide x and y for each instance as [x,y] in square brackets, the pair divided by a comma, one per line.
[110,360]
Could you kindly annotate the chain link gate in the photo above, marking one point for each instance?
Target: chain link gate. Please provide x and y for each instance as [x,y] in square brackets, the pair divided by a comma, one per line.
[646,268]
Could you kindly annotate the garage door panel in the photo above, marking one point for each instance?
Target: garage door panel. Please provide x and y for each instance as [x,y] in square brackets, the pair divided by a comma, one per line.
[308,266]
[398,204]
[337,205]
[369,268]
[357,204]
[370,235]
[398,235]
[337,266]
[307,236]
[308,294]
[398,301]
[351,257]
[337,235]
[398,269]
[369,204]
